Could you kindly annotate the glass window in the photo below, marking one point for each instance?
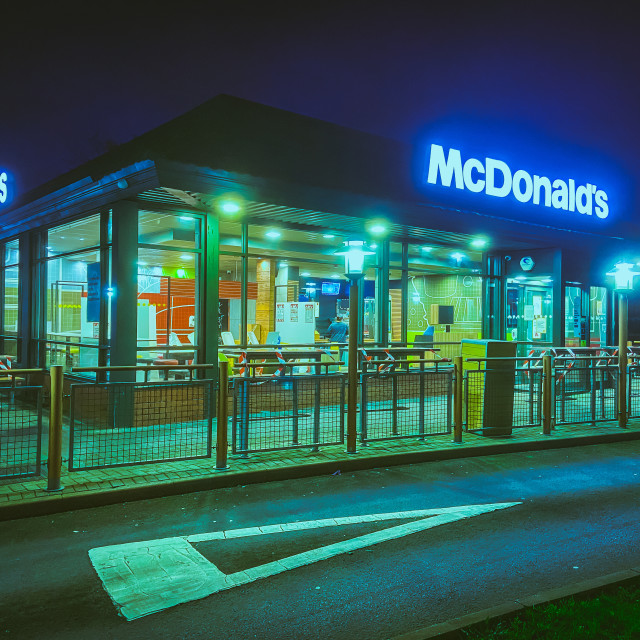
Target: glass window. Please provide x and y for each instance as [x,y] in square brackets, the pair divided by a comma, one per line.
[529,311]
[230,236]
[598,315]
[296,285]
[74,295]
[73,309]
[11,277]
[169,230]
[167,302]
[74,236]
[444,296]
[574,320]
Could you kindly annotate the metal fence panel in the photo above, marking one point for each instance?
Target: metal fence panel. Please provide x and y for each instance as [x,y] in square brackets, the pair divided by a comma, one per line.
[405,404]
[287,412]
[20,431]
[633,381]
[585,392]
[118,424]
[499,400]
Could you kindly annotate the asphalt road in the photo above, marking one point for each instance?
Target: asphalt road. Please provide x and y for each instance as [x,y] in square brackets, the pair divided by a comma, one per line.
[579,518]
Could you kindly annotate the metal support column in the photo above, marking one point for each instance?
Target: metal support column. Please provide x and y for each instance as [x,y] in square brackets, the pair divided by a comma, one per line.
[352,375]
[547,394]
[623,316]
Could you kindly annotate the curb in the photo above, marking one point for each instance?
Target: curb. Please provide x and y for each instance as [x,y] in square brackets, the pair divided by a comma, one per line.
[451,629]
[57,503]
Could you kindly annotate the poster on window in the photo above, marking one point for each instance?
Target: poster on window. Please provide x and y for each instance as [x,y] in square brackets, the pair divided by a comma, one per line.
[539,327]
[537,305]
[309,312]
[280,312]
[528,312]
[93,292]
[293,312]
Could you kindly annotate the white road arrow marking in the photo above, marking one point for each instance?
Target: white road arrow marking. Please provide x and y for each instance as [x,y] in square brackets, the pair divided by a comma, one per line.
[146,577]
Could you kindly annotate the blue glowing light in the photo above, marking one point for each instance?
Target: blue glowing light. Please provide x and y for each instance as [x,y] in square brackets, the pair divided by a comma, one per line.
[623,274]
[6,187]
[513,172]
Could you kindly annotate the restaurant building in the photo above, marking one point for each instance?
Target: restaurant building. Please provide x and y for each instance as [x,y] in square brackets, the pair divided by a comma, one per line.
[224,225]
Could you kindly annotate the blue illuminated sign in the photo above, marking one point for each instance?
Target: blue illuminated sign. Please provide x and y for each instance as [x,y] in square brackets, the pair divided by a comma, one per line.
[4,189]
[512,171]
[496,178]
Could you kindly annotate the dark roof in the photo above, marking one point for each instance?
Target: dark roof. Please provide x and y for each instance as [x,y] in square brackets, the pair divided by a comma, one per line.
[236,135]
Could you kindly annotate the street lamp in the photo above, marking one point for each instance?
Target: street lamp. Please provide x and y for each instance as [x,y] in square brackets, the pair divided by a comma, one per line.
[622,275]
[354,252]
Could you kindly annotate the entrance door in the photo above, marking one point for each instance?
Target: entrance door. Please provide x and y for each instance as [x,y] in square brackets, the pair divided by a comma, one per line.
[574,317]
[529,311]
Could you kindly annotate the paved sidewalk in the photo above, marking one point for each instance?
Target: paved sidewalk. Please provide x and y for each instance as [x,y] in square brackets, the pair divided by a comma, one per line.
[24,497]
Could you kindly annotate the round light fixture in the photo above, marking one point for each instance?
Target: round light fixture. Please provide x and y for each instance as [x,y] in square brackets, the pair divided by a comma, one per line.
[328,235]
[273,234]
[230,207]
[479,243]
[378,229]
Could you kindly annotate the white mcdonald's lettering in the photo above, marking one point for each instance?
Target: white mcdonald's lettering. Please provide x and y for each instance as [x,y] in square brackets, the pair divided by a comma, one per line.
[495,178]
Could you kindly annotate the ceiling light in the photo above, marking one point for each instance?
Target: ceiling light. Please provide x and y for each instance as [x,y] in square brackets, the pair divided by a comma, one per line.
[186,256]
[458,256]
[373,246]
[377,228]
[478,243]
[273,234]
[335,276]
[426,249]
[305,274]
[328,235]
[230,207]
[283,264]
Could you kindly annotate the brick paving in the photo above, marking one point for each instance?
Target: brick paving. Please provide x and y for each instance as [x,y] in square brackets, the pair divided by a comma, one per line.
[277,464]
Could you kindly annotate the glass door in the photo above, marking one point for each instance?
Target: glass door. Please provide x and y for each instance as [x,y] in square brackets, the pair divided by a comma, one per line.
[529,310]
[574,319]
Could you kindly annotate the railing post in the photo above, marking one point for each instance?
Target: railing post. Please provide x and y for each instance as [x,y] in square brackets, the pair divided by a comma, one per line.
[457,400]
[622,360]
[547,394]
[221,423]
[54,466]
[352,369]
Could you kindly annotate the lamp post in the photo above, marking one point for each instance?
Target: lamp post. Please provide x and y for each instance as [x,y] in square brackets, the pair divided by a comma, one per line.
[622,275]
[354,253]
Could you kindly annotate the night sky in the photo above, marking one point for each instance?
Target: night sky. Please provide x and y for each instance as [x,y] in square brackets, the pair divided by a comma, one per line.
[76,79]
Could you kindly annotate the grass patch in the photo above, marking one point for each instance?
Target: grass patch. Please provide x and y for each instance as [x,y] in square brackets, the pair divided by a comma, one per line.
[612,614]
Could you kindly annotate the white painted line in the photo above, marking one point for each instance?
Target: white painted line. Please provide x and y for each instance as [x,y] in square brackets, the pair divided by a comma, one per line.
[315,524]
[146,577]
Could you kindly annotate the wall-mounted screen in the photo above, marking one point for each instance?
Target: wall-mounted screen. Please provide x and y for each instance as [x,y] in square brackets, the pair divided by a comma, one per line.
[330,288]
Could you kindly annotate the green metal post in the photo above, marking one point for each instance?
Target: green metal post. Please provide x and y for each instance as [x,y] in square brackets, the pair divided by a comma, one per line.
[547,394]
[352,360]
[622,359]
[54,466]
[457,400]
[221,423]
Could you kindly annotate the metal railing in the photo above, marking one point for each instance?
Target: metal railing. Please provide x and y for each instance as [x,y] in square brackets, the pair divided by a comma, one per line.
[20,423]
[287,411]
[415,401]
[586,389]
[500,395]
[115,424]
